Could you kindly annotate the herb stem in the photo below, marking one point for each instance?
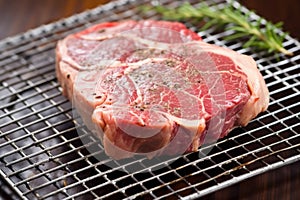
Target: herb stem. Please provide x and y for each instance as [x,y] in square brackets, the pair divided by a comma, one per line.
[262,36]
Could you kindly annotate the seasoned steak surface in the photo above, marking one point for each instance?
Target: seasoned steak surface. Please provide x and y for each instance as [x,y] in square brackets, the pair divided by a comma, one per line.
[154,88]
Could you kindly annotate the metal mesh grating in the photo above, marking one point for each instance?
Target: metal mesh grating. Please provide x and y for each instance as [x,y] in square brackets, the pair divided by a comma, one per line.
[42,155]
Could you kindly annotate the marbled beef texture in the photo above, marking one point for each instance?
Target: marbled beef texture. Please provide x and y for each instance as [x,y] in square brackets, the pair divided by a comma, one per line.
[155,88]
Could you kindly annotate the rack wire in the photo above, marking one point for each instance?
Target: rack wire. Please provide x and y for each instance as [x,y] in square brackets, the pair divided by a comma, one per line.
[41,154]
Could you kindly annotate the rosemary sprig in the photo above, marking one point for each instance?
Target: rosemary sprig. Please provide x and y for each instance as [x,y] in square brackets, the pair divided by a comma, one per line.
[262,36]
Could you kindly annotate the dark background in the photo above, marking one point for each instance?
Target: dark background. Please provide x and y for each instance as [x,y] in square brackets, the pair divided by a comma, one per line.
[17,16]
[287,11]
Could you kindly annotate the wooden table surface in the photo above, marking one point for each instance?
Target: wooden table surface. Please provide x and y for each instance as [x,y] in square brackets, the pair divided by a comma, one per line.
[284,183]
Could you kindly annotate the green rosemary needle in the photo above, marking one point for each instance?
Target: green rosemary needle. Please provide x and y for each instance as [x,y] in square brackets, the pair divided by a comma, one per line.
[262,36]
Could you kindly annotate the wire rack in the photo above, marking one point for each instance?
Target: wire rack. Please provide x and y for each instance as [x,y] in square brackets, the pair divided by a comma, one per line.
[41,154]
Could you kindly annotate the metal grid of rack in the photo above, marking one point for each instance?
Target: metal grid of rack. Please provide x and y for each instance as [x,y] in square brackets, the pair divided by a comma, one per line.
[42,155]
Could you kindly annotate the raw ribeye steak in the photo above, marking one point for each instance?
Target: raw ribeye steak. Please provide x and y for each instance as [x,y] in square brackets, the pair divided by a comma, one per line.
[155,88]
